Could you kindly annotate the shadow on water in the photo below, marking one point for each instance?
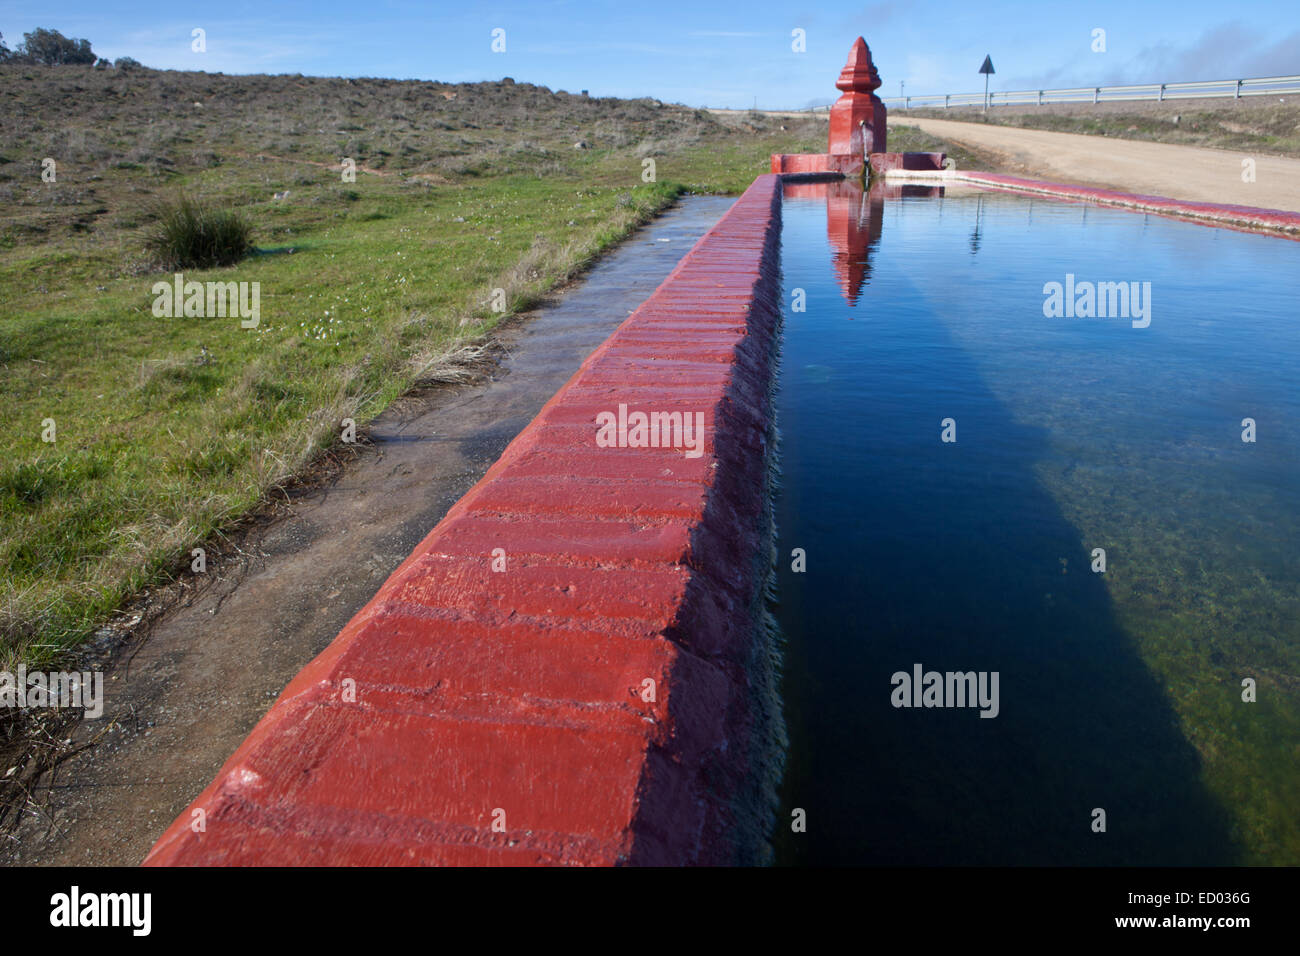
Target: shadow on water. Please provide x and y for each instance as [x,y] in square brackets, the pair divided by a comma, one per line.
[954,557]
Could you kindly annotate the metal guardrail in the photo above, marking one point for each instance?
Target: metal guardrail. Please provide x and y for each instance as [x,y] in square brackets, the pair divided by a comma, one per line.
[1235,89]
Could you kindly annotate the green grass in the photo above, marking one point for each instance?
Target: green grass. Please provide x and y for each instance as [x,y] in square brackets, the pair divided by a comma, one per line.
[170,429]
[190,235]
[166,429]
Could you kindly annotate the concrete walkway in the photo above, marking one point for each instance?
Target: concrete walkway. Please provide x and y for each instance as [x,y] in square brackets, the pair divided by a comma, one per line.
[208,672]
[1160,169]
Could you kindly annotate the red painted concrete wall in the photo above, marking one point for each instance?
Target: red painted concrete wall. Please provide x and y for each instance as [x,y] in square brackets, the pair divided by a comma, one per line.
[461,697]
[1219,214]
[832,163]
[814,163]
[912,162]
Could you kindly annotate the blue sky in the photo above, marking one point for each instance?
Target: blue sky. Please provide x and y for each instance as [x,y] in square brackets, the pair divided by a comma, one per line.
[699,53]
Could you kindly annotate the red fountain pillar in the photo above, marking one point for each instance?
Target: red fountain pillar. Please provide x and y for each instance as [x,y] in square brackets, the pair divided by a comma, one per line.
[858,117]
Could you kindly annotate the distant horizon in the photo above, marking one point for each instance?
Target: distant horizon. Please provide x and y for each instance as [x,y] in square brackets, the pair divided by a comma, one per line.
[705,56]
[709,106]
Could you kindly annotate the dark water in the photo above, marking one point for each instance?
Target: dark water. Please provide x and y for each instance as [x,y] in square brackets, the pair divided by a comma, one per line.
[1119,691]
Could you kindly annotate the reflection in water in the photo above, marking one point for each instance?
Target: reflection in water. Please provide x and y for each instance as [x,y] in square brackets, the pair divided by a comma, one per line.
[853,224]
[1119,692]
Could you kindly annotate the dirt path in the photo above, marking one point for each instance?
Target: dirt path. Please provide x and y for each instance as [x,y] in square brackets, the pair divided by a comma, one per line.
[1160,169]
[178,704]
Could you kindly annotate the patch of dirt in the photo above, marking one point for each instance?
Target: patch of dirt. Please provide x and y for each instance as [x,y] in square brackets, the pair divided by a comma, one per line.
[1160,169]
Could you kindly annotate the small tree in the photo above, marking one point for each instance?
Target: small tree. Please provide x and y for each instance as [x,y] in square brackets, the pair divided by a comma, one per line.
[5,52]
[52,48]
[127,63]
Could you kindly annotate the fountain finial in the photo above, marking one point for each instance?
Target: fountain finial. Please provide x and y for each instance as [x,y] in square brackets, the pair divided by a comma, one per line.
[858,116]
[857,128]
[859,74]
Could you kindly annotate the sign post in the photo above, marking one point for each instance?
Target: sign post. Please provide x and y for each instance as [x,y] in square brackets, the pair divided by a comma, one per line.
[986,69]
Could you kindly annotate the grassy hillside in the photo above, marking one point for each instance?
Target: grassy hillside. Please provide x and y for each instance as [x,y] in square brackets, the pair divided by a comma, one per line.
[168,429]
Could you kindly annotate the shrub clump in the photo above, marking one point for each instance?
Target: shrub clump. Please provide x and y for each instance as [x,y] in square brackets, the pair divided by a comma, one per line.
[191,235]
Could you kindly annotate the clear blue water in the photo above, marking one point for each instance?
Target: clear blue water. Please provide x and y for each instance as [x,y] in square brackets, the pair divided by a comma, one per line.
[1119,691]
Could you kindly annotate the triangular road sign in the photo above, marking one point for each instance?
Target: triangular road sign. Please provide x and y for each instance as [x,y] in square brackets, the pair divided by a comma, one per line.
[988,65]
